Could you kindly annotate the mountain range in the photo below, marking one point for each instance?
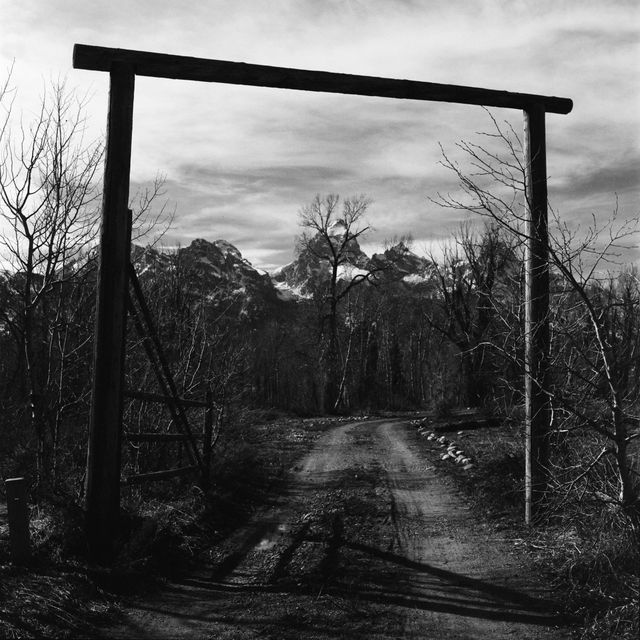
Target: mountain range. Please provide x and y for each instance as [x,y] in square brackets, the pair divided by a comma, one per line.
[217,272]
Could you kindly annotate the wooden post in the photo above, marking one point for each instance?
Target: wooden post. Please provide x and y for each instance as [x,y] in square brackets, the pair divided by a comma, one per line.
[103,458]
[208,434]
[18,512]
[537,416]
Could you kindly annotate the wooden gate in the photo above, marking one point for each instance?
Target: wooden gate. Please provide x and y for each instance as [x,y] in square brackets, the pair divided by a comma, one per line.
[198,445]
[103,467]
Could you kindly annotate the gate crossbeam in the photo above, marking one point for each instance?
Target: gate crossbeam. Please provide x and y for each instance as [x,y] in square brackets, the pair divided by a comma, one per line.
[162,65]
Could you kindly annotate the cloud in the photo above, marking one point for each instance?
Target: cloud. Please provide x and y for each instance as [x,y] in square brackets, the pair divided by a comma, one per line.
[613,175]
[242,160]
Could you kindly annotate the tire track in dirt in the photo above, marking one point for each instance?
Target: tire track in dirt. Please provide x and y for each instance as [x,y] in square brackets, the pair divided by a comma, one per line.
[465,579]
[252,561]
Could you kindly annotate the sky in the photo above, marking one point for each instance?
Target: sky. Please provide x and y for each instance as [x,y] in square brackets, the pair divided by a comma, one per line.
[240,162]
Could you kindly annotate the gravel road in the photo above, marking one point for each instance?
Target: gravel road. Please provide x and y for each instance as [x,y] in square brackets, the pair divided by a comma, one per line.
[368,541]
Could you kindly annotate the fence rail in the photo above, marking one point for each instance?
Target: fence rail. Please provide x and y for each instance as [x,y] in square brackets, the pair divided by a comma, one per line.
[158,437]
[157,397]
[152,476]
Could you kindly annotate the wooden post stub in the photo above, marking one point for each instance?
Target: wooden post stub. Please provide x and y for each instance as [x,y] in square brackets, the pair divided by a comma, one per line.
[18,512]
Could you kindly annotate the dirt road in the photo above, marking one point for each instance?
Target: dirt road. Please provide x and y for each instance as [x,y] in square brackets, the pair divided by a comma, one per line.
[367,542]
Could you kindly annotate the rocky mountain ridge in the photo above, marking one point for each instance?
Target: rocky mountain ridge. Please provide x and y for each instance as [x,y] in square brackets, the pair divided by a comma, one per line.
[214,272]
[217,272]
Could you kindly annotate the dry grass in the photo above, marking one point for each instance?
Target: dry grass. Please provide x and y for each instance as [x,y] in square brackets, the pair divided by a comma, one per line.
[595,563]
[51,596]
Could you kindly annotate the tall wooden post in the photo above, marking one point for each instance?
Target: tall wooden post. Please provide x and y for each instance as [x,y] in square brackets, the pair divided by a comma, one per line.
[536,314]
[103,459]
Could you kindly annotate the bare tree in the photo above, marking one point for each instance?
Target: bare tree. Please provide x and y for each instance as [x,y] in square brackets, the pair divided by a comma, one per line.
[474,282]
[597,334]
[48,201]
[151,223]
[587,316]
[330,236]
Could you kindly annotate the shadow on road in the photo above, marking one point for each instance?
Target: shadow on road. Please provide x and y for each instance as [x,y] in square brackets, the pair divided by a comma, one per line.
[421,586]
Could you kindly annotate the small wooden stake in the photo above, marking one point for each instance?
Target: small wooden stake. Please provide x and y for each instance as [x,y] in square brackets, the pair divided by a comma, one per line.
[18,512]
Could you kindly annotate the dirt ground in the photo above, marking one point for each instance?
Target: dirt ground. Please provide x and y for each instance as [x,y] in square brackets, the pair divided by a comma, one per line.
[368,541]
